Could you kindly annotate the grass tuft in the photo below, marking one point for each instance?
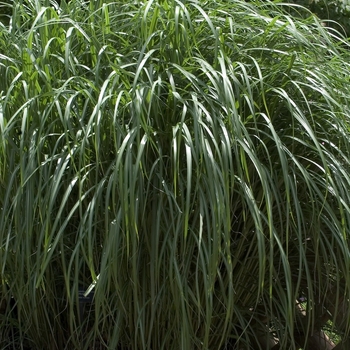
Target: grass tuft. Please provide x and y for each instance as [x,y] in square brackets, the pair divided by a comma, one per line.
[185,164]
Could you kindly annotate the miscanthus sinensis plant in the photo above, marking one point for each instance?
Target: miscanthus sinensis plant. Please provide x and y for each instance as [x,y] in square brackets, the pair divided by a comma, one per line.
[185,164]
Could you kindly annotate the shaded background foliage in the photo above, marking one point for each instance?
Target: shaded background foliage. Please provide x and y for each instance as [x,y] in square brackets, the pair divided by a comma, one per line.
[335,14]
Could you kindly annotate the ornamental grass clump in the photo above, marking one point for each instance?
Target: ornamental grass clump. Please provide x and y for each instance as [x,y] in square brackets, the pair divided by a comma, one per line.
[173,175]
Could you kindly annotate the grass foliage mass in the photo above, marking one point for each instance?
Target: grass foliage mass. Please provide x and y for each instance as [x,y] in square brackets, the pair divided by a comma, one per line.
[184,162]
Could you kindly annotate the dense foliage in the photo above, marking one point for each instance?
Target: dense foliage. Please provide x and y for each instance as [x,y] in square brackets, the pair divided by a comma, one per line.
[185,163]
